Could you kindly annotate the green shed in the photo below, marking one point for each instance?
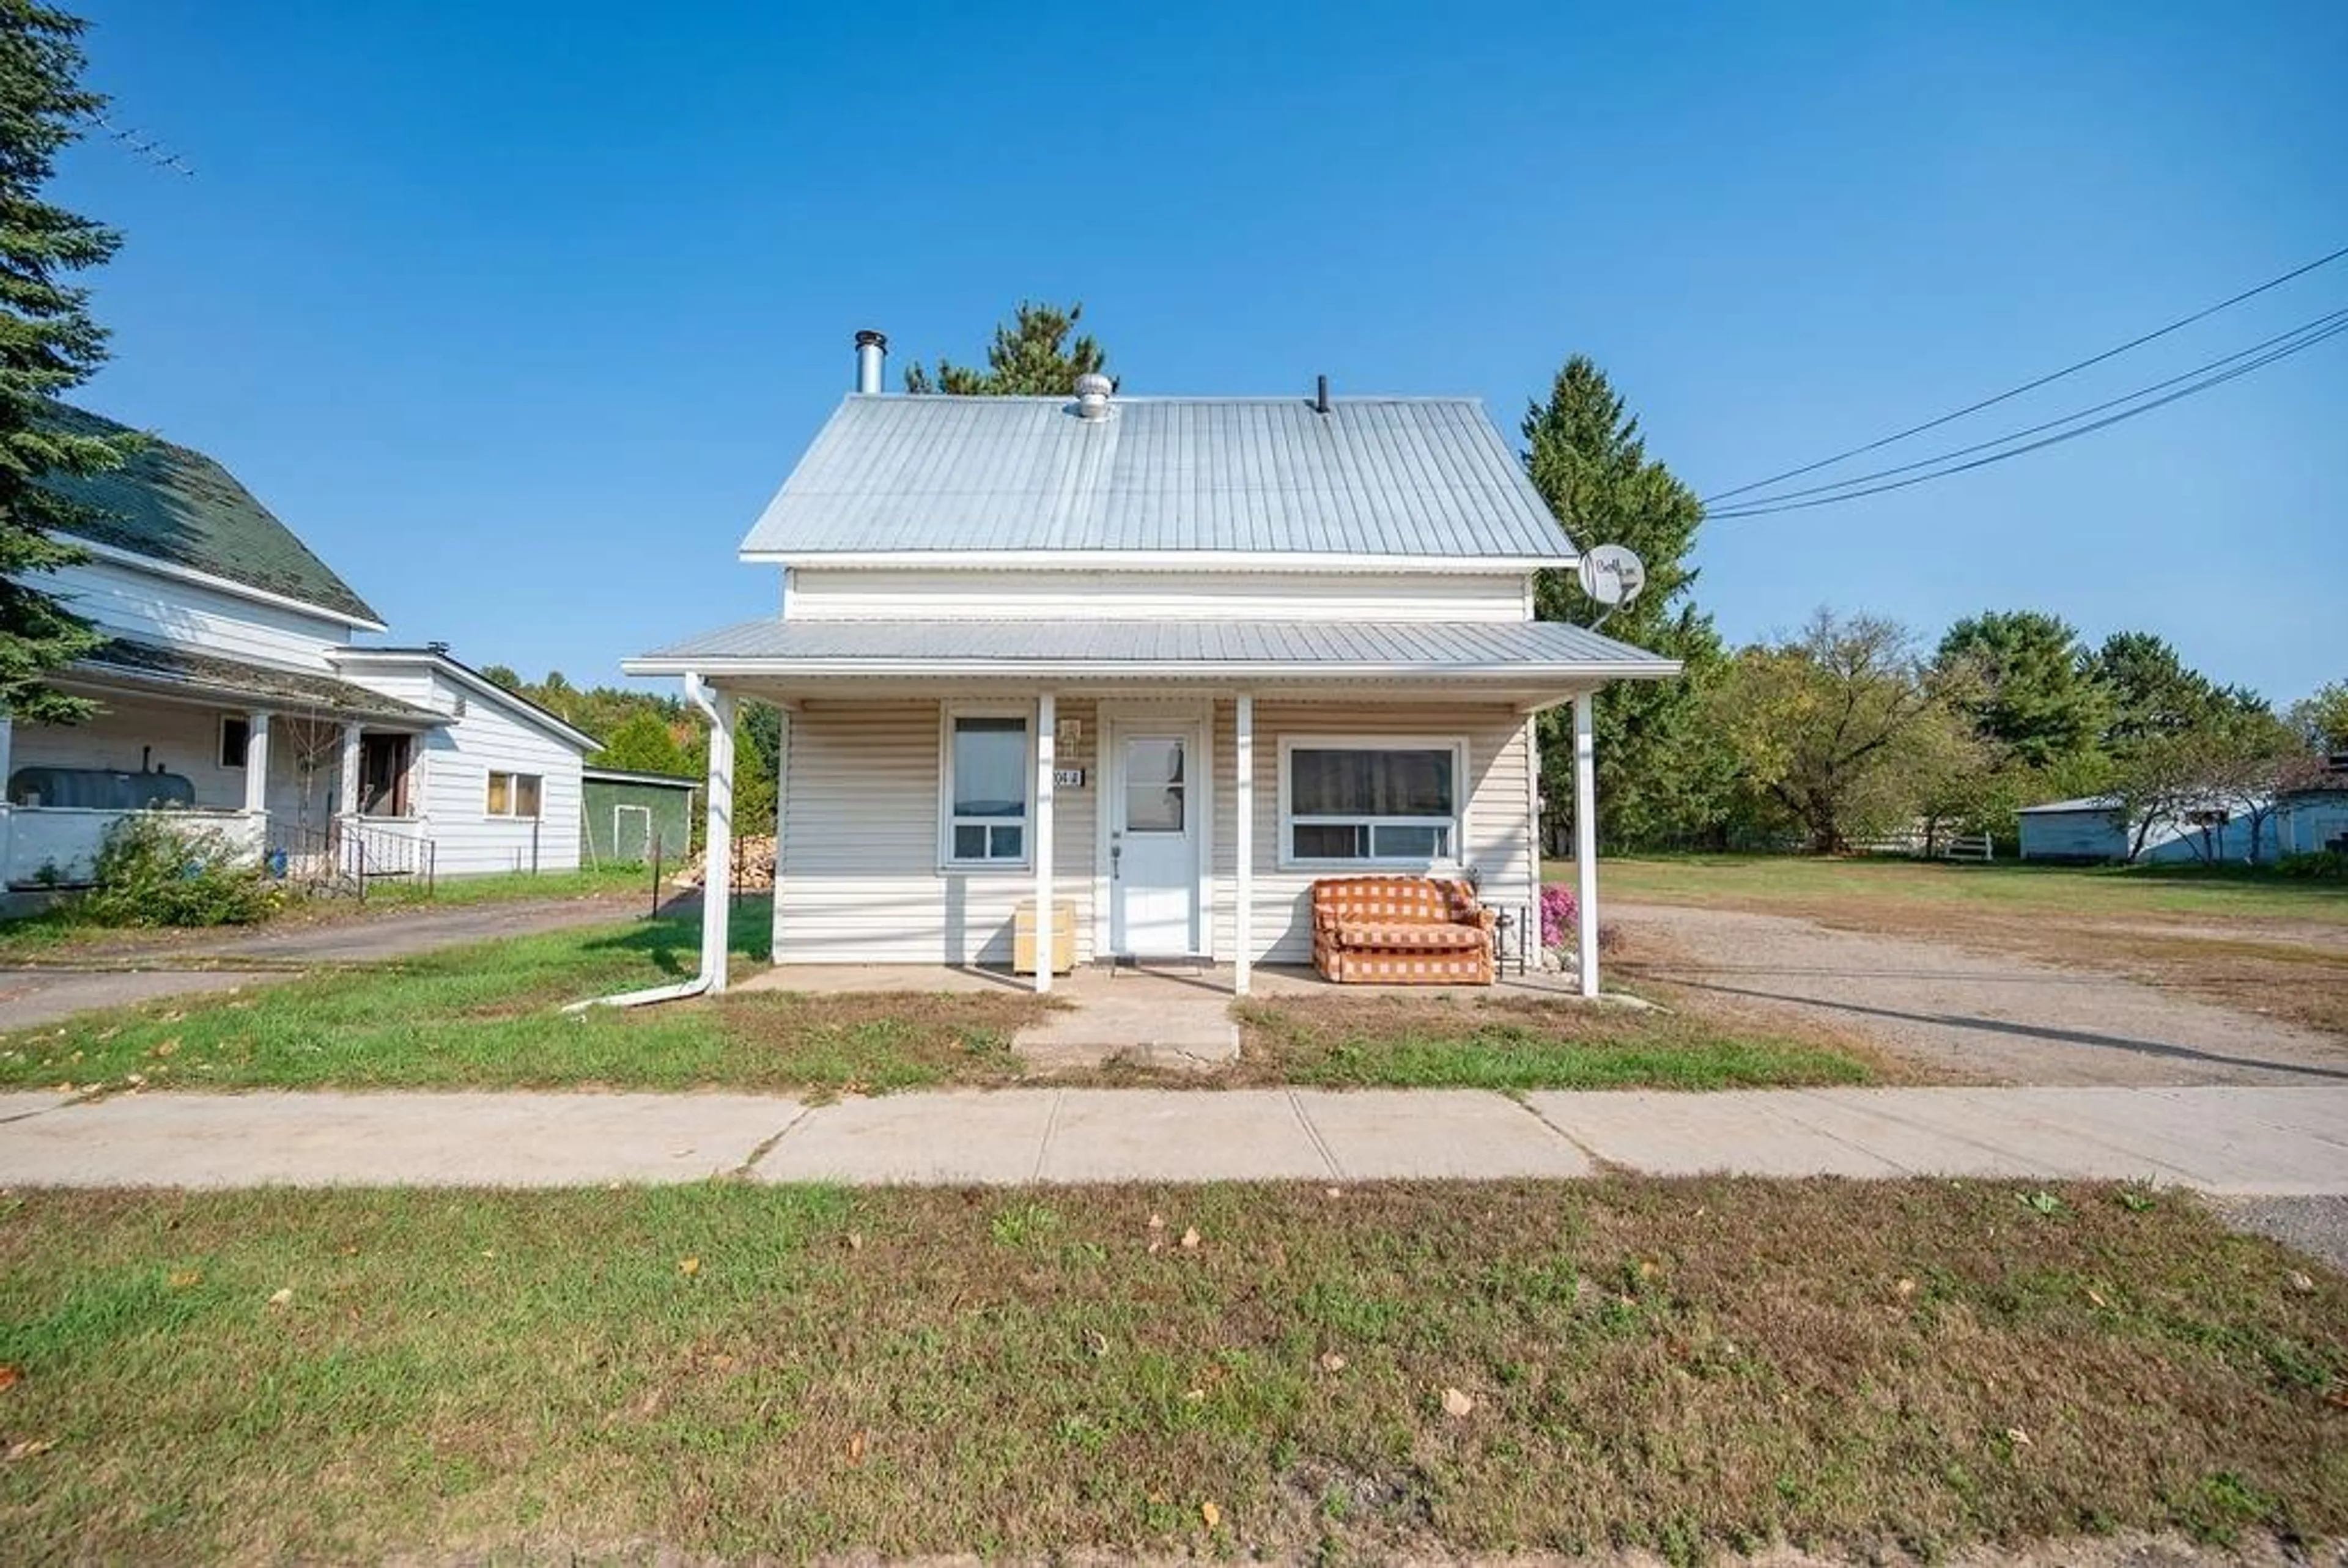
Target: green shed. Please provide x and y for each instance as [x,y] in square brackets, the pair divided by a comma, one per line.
[622,815]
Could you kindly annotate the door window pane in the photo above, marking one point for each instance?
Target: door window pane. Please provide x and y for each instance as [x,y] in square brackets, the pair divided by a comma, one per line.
[1154,785]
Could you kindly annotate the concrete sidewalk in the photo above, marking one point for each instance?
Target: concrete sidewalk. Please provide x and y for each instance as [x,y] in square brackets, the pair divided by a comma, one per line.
[2271,1142]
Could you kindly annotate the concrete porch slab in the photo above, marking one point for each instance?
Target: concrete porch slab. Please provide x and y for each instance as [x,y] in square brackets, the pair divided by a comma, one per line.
[1165,1019]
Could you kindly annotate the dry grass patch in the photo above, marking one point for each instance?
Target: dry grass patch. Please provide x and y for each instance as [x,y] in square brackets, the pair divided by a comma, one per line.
[1680,1366]
[1521,1043]
[872,1042]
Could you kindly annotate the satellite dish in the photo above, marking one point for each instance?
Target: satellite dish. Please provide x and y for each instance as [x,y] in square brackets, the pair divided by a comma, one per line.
[1612,574]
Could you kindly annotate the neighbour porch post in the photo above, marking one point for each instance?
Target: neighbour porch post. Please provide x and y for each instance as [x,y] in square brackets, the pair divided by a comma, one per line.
[718,860]
[1242,842]
[1585,843]
[350,781]
[1046,752]
[7,740]
[256,762]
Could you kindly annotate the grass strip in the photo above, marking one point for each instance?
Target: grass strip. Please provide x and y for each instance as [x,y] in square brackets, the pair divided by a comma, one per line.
[1290,1371]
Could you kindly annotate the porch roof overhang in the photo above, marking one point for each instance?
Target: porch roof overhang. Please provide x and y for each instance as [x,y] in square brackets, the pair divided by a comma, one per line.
[183,674]
[1512,657]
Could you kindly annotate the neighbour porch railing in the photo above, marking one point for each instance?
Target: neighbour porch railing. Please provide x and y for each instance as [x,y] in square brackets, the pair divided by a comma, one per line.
[345,857]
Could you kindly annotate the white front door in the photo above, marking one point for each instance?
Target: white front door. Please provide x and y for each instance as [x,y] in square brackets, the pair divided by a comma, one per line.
[1153,842]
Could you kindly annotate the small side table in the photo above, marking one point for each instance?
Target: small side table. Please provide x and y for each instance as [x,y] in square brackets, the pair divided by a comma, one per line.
[1510,929]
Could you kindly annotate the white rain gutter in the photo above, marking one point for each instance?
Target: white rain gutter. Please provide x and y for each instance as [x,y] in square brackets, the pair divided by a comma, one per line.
[713,954]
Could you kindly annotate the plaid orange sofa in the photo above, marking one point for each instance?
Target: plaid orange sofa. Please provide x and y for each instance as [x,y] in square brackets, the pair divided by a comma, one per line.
[1400,931]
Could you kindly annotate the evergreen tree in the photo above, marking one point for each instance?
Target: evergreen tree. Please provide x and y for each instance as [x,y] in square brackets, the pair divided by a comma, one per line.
[1659,776]
[2038,697]
[1032,356]
[2152,692]
[49,345]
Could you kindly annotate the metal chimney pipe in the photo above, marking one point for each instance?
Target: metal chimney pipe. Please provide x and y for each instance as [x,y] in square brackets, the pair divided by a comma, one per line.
[1321,396]
[871,350]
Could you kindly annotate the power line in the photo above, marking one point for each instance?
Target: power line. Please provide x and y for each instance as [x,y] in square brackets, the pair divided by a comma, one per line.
[2176,325]
[1759,510]
[2072,417]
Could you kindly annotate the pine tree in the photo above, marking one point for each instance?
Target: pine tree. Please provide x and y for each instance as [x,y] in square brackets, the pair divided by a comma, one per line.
[2038,697]
[49,345]
[1658,779]
[1032,356]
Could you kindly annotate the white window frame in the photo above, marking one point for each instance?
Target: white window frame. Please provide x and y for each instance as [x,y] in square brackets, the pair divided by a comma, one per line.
[219,742]
[1462,788]
[513,813]
[947,861]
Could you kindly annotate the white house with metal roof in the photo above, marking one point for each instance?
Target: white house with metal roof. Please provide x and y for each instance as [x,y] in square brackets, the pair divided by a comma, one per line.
[232,691]
[1158,661]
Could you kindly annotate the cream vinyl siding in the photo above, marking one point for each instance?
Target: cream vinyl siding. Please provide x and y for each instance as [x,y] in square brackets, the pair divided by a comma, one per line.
[815,593]
[860,878]
[123,600]
[1497,836]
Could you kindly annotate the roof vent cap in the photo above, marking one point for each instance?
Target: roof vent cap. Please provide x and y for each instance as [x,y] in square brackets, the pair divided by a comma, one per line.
[1092,395]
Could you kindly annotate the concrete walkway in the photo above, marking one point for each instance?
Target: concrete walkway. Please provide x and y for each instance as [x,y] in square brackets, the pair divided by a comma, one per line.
[2259,1142]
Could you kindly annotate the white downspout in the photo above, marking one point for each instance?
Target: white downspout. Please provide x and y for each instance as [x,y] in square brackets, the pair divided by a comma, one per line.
[717,862]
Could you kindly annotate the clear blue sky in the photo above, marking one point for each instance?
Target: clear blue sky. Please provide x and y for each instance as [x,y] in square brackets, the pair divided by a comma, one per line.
[518,313]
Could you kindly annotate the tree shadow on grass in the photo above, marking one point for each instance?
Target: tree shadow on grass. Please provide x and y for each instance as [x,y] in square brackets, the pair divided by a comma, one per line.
[671,944]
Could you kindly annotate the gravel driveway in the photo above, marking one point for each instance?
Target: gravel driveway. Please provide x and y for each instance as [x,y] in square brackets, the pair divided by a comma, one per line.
[1987,1017]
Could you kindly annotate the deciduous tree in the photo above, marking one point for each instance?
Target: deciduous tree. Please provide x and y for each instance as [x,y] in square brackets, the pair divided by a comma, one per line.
[1660,775]
[48,344]
[1033,356]
[1846,728]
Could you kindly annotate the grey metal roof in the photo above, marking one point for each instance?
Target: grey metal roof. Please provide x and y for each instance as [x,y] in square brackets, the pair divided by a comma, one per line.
[2080,803]
[1479,650]
[1419,478]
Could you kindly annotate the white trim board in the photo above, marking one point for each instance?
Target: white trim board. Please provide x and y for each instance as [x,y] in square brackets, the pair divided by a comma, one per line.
[117,556]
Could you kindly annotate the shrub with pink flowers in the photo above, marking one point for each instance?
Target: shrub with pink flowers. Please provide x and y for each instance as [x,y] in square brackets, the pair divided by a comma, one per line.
[1557,916]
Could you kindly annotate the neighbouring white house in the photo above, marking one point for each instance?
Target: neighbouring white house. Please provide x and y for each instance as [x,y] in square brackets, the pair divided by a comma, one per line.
[233,694]
[2097,828]
[1155,663]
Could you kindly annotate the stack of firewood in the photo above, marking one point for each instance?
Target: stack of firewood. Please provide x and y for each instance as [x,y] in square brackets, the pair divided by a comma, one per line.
[753,866]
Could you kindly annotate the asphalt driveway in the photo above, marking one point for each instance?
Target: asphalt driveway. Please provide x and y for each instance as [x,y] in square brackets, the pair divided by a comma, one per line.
[66,983]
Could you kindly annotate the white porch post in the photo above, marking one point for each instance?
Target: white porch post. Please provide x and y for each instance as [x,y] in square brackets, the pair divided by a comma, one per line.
[717,862]
[7,742]
[1585,843]
[1242,842]
[350,780]
[1046,753]
[782,816]
[256,762]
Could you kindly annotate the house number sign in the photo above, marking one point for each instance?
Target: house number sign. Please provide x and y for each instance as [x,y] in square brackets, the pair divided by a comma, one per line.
[1067,778]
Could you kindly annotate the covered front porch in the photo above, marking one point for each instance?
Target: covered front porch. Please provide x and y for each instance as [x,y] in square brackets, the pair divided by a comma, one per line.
[312,773]
[1167,795]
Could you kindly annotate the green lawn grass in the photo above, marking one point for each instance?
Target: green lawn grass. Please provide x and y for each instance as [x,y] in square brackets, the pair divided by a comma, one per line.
[490,1016]
[60,928]
[1315,1374]
[1514,1044]
[1808,883]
